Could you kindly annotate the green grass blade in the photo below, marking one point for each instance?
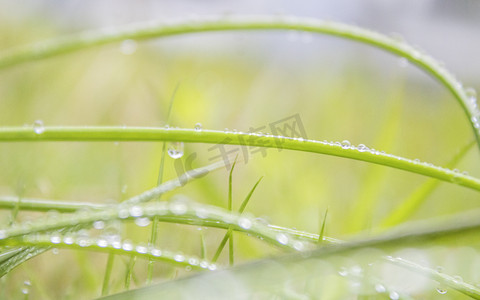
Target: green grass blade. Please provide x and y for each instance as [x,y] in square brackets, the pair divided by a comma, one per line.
[129,272]
[203,246]
[12,134]
[230,208]
[322,228]
[44,205]
[220,247]
[124,249]
[222,23]
[108,274]
[247,199]
[210,216]
[19,258]
[228,235]
[154,232]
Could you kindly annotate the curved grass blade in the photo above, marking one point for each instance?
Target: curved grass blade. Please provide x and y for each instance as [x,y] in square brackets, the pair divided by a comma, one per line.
[12,134]
[23,254]
[177,212]
[151,30]
[118,248]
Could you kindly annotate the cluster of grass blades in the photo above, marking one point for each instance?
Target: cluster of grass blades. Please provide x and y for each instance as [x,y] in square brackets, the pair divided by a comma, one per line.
[308,265]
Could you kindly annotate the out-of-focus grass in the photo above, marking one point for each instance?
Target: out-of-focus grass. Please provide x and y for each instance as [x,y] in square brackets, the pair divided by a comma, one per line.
[220,89]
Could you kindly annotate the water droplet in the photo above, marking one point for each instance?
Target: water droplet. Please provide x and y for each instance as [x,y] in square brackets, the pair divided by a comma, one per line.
[282,238]
[142,222]
[175,149]
[128,47]
[188,268]
[178,207]
[441,291]
[212,267]
[141,249]
[55,239]
[193,261]
[362,148]
[179,257]
[471,94]
[457,279]
[127,245]
[416,54]
[27,283]
[394,295]
[25,291]
[116,244]
[476,122]
[156,252]
[83,242]
[356,270]
[3,234]
[68,240]
[299,246]
[123,213]
[38,127]
[102,243]
[380,288]
[245,223]
[99,225]
[397,37]
[124,189]
[346,144]
[136,211]
[343,272]
[55,251]
[202,213]
[204,264]
[198,127]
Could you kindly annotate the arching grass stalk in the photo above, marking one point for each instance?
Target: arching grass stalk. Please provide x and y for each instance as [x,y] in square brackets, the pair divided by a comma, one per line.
[362,153]
[101,245]
[158,29]
[176,211]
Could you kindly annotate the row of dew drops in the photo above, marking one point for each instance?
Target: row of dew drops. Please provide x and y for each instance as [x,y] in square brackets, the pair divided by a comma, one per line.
[176,149]
[142,217]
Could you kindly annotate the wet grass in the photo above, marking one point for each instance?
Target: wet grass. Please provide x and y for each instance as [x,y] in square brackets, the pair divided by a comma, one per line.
[93,197]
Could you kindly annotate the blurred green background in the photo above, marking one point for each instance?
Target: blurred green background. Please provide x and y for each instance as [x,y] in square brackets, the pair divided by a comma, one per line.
[229,80]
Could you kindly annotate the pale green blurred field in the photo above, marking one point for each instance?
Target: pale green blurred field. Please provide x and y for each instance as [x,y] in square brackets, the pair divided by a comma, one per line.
[385,106]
